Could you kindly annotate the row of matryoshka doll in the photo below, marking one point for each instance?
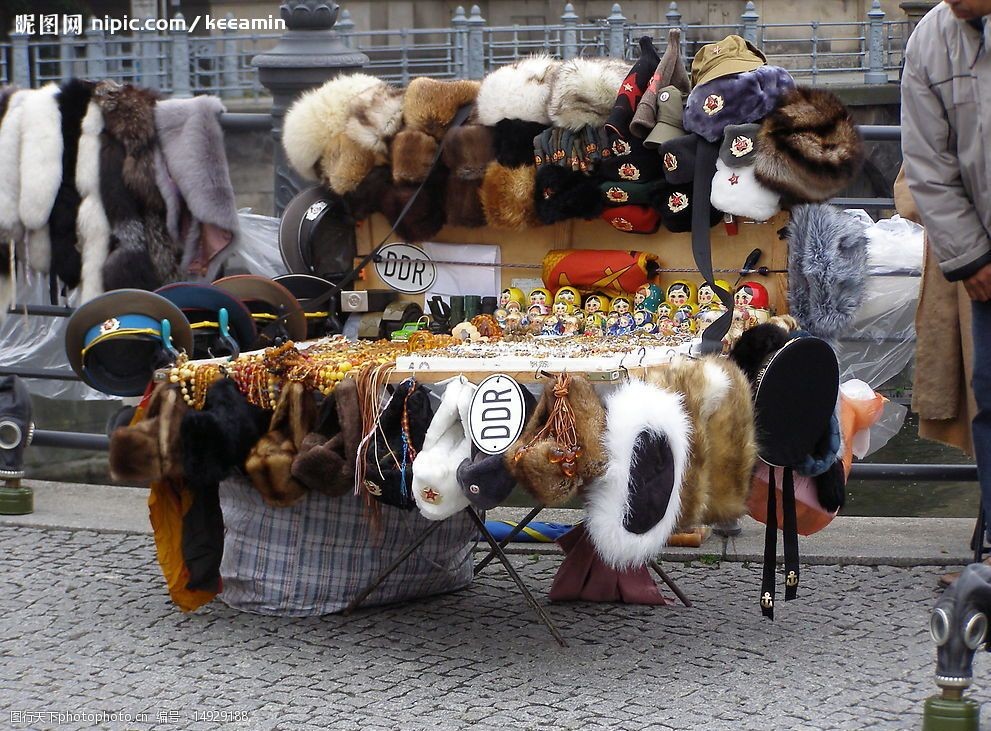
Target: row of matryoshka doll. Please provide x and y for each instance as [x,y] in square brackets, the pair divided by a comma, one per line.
[682,308]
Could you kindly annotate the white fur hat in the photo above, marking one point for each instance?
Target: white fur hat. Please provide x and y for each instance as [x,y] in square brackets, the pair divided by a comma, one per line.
[518,91]
[737,191]
[584,91]
[436,489]
[635,507]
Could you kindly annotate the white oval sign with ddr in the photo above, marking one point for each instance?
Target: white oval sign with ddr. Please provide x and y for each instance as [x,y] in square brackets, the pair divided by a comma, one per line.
[497,414]
[406,268]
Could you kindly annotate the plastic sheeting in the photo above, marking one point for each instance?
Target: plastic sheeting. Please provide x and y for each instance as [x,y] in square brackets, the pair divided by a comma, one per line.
[38,342]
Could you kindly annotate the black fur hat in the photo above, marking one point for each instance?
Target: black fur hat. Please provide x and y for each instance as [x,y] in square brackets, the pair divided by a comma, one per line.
[561,194]
[513,141]
[217,439]
[755,346]
[384,474]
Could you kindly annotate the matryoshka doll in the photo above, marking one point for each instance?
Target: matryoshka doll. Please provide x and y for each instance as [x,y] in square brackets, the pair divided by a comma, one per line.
[570,296]
[621,306]
[681,293]
[542,298]
[514,322]
[648,296]
[707,298]
[595,323]
[572,324]
[596,303]
[512,294]
[535,315]
[665,311]
[624,324]
[644,321]
[706,317]
[753,299]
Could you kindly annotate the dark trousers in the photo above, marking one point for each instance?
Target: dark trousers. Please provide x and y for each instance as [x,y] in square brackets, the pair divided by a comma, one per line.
[981,426]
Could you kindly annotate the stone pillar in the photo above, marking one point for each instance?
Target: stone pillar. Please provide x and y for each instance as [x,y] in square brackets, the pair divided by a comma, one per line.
[309,53]
[916,10]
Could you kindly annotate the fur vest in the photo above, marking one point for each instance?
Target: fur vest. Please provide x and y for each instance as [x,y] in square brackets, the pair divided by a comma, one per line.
[73,100]
[142,255]
[199,198]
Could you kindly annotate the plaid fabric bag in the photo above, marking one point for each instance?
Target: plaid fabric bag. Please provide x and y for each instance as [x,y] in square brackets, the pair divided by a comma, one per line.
[313,557]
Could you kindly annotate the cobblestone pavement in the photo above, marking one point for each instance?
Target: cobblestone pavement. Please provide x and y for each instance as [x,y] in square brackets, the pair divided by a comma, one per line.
[86,626]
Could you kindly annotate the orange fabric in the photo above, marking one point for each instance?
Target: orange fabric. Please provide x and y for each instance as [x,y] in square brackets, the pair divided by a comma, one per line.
[857,415]
[167,504]
[607,271]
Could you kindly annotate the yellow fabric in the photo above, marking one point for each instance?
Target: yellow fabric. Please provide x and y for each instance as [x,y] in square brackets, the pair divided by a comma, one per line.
[166,507]
[120,332]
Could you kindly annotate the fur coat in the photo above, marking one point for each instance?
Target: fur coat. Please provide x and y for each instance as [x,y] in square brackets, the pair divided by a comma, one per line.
[194,180]
[141,253]
[40,170]
[92,226]
[944,348]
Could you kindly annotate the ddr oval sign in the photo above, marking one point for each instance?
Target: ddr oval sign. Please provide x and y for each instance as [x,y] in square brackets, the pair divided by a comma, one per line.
[497,414]
[406,268]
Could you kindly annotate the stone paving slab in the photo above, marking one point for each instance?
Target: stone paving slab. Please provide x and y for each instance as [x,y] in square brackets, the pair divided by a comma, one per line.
[86,626]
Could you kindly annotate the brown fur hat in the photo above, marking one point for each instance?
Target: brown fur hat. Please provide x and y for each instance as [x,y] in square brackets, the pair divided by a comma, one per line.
[151,449]
[808,148]
[326,459]
[717,399]
[269,466]
[468,150]
[366,199]
[538,468]
[507,196]
[413,154]
[426,216]
[344,164]
[430,105]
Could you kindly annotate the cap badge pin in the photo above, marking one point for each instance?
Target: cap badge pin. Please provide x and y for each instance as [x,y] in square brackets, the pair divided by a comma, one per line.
[108,326]
[629,172]
[670,162]
[713,104]
[665,95]
[315,210]
[677,202]
[741,146]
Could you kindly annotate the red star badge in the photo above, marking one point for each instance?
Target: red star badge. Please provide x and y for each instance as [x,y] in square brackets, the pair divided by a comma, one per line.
[430,495]
[631,91]
[734,179]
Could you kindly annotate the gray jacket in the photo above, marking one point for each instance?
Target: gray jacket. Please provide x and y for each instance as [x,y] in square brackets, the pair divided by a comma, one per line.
[946,138]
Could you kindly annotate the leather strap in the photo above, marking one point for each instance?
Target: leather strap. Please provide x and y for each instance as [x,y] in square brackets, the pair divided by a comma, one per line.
[705,167]
[770,547]
[790,534]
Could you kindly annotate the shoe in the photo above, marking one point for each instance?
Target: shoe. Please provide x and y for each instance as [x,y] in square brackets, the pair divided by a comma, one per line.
[948,578]
[729,529]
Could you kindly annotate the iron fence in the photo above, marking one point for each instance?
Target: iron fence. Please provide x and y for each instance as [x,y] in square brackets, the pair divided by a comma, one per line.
[868,51]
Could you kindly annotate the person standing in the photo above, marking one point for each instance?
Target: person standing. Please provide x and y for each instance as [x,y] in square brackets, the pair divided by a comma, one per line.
[946,125]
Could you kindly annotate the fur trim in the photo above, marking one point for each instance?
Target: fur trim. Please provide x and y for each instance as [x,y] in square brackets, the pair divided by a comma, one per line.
[518,91]
[367,198]
[318,116]
[92,225]
[413,155]
[73,99]
[41,171]
[562,194]
[827,269]
[435,483]
[150,450]
[514,142]
[344,164]
[326,460]
[808,149]
[468,150]
[632,409]
[584,90]
[376,116]
[269,465]
[430,105]
[755,346]
[507,196]
[10,164]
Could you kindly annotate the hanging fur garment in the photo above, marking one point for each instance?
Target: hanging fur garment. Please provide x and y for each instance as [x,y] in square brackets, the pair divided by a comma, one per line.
[92,226]
[41,171]
[7,268]
[73,100]
[142,254]
[10,164]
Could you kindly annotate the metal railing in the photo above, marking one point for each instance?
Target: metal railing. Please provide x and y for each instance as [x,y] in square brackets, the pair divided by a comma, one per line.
[867,51]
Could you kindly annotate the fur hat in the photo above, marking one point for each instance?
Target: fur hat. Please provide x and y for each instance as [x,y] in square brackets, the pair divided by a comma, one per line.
[484,478]
[739,146]
[326,459]
[446,444]
[520,90]
[430,106]
[618,193]
[737,191]
[670,71]
[538,466]
[676,210]
[753,348]
[808,148]
[632,89]
[735,99]
[678,159]
[562,194]
[426,216]
[514,141]
[635,507]
[722,444]
[384,478]
[468,150]
[339,131]
[269,465]
[508,197]
[217,439]
[367,198]
[827,269]
[412,155]
[150,450]
[584,90]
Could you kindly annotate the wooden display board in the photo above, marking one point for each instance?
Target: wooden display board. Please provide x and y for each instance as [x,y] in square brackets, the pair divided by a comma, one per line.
[673,250]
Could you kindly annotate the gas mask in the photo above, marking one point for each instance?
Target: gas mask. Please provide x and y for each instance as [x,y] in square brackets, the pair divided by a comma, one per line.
[16,427]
